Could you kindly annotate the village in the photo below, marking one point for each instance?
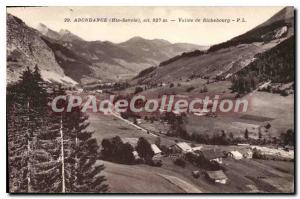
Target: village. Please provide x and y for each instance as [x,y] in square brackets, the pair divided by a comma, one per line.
[211,163]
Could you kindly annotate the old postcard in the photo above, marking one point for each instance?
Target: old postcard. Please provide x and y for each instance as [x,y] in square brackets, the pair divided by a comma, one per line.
[150,100]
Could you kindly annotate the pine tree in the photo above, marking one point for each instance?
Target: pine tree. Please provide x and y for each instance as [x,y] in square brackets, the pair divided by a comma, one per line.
[48,151]
[26,108]
[82,170]
[246,135]
[144,149]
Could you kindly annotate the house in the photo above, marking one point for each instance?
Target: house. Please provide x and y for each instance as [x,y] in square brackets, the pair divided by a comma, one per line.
[235,155]
[181,147]
[275,153]
[197,148]
[139,121]
[243,144]
[156,151]
[216,176]
[79,90]
[99,91]
[247,153]
[213,155]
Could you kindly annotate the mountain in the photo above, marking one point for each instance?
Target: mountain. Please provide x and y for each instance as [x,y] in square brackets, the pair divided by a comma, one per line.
[227,58]
[157,50]
[63,34]
[25,48]
[88,61]
[278,26]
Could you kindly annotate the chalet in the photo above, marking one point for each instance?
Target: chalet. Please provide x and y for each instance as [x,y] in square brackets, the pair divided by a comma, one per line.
[247,153]
[216,176]
[156,151]
[181,147]
[235,155]
[197,149]
[275,153]
[139,121]
[79,90]
[213,155]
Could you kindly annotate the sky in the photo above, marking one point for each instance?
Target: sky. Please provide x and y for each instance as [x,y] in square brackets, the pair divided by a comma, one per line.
[173,31]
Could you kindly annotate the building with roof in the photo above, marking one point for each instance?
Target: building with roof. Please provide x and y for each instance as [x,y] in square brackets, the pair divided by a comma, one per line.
[181,147]
[235,155]
[247,153]
[156,151]
[216,176]
[197,148]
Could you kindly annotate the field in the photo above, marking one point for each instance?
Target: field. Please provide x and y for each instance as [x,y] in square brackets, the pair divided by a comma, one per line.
[263,108]
[244,175]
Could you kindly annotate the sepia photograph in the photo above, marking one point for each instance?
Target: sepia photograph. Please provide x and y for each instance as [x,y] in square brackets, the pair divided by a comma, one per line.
[157,99]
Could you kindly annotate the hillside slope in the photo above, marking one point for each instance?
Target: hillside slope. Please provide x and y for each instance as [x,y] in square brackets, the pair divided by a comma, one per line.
[25,48]
[227,58]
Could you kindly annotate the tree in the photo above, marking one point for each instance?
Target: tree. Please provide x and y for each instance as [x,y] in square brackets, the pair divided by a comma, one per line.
[81,153]
[231,136]
[158,141]
[288,137]
[48,151]
[138,90]
[246,135]
[144,149]
[32,167]
[180,162]
[115,150]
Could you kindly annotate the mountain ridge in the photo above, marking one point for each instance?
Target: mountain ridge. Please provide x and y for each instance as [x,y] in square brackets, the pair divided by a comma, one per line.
[224,59]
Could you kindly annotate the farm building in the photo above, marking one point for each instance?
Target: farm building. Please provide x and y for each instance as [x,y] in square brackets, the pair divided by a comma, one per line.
[275,153]
[235,155]
[79,90]
[217,176]
[181,147]
[247,153]
[197,148]
[139,121]
[213,155]
[156,151]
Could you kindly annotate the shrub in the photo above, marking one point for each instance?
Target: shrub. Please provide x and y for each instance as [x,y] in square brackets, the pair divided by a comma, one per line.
[180,162]
[154,163]
[190,89]
[138,90]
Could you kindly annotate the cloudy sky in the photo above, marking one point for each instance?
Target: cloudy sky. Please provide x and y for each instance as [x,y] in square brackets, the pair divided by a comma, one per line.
[198,33]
